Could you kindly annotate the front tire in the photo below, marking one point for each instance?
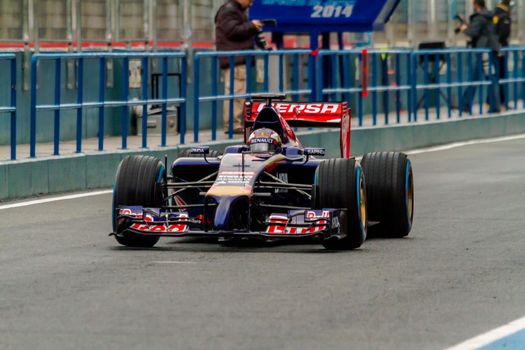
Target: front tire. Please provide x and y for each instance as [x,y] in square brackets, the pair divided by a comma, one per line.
[138,182]
[340,183]
[390,191]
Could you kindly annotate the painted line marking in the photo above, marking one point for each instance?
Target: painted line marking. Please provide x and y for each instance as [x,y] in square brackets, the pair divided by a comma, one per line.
[173,262]
[54,199]
[465,143]
[492,336]
[416,151]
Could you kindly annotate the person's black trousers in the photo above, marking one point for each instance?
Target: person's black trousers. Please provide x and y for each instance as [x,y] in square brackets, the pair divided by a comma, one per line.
[479,73]
[502,65]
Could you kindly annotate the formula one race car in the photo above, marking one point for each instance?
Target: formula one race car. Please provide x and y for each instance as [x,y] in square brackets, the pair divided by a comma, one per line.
[270,187]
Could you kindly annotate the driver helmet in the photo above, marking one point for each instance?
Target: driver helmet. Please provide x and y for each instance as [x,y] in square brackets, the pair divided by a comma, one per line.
[264,141]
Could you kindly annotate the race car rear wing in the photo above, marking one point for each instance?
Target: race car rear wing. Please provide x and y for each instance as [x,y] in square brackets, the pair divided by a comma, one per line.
[306,114]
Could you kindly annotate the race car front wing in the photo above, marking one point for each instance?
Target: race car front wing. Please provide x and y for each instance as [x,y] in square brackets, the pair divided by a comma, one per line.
[292,224]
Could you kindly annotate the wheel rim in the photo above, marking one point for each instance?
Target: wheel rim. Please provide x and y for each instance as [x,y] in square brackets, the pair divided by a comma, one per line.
[361,201]
[113,202]
[409,192]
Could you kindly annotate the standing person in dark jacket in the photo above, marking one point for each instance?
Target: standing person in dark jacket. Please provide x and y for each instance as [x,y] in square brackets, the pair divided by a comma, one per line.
[502,21]
[234,31]
[482,34]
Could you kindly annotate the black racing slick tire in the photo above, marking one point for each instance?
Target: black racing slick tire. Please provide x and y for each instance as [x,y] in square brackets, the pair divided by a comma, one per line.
[390,192]
[138,182]
[340,183]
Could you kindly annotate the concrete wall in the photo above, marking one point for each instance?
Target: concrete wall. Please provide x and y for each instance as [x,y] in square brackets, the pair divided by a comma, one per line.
[27,178]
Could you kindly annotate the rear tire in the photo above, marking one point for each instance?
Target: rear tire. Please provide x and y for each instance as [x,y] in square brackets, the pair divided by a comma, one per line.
[138,182]
[390,192]
[340,184]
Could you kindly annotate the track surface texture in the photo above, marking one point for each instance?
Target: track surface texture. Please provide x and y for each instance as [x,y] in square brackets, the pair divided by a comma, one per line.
[65,284]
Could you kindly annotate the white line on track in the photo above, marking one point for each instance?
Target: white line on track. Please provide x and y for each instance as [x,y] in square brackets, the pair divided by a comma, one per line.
[54,199]
[173,262]
[491,336]
[466,143]
[417,151]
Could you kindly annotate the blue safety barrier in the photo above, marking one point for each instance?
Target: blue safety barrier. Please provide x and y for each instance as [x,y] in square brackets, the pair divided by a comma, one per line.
[356,73]
[101,104]
[399,83]
[428,80]
[297,58]
[511,69]
[473,70]
[11,109]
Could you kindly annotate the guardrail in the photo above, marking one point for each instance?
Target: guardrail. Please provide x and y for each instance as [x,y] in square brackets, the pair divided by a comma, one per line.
[427,80]
[376,82]
[11,108]
[479,73]
[298,57]
[101,104]
[372,68]
[512,77]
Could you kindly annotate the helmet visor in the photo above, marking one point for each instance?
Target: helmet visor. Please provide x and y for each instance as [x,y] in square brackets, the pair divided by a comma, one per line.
[262,147]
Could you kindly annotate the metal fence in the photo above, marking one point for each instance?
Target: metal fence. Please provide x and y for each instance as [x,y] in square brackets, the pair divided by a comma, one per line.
[477,75]
[451,78]
[296,58]
[408,82]
[101,104]
[513,76]
[11,108]
[358,74]
[385,87]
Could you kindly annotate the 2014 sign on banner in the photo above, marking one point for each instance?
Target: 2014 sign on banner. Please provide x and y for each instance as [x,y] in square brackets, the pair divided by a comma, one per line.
[332,11]
[324,15]
[318,8]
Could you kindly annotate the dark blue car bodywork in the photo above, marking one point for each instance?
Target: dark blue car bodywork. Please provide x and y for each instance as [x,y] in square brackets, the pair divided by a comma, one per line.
[240,193]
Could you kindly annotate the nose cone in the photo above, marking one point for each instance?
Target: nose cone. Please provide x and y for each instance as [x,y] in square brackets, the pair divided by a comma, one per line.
[231,213]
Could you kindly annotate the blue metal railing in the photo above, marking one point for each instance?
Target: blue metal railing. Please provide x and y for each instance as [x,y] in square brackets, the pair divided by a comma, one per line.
[431,64]
[11,109]
[298,59]
[346,79]
[101,104]
[434,82]
[428,80]
[512,65]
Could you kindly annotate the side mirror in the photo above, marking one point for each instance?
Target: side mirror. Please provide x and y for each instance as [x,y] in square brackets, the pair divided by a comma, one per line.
[204,150]
[311,151]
